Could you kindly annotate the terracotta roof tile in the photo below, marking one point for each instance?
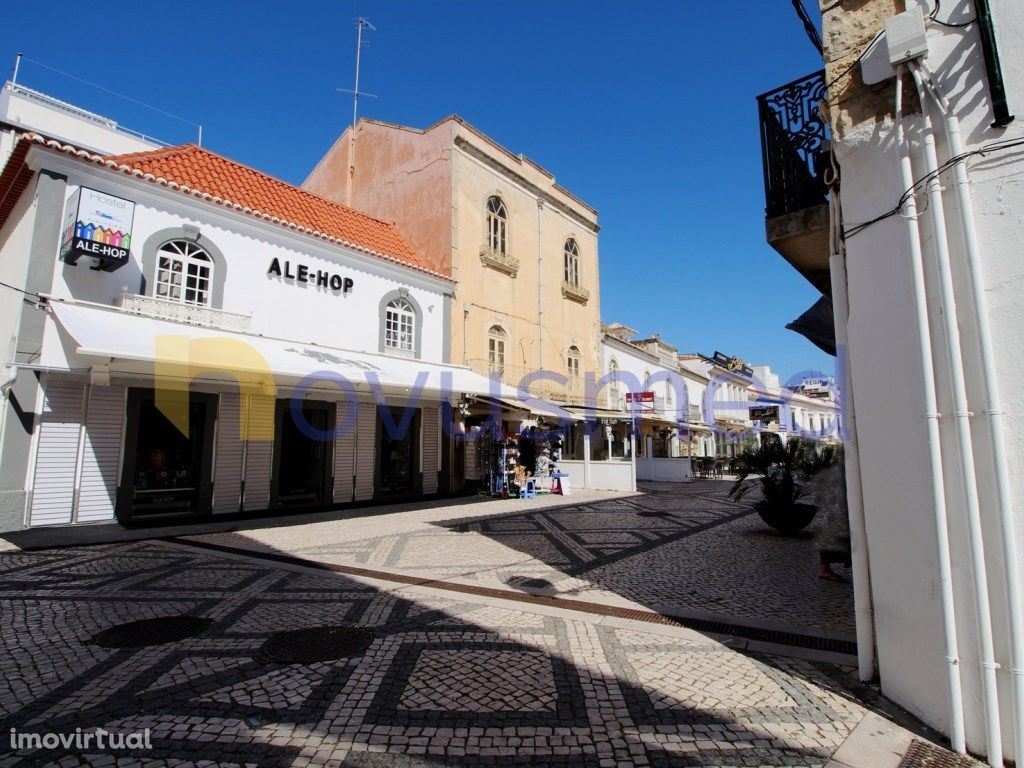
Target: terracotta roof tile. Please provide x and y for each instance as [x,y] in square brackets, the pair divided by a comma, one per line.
[207,174]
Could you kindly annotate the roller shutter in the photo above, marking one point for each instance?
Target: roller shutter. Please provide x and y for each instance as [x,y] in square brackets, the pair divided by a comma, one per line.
[344,455]
[53,487]
[430,447]
[101,453]
[366,450]
[259,454]
[227,478]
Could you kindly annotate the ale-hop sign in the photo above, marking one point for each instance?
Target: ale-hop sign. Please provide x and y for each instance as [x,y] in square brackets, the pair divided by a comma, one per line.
[99,225]
[303,274]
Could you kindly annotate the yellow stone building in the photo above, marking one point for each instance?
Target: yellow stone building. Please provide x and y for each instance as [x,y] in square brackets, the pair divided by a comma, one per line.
[523,250]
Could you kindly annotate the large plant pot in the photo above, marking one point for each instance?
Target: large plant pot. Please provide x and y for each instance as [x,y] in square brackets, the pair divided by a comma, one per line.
[786,519]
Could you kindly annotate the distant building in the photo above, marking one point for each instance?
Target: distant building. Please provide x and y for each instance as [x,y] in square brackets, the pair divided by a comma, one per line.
[25,109]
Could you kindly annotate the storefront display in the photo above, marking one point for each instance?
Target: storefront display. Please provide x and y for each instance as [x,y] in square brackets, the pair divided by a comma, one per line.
[166,472]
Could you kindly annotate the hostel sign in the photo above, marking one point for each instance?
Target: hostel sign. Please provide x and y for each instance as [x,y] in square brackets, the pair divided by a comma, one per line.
[98,225]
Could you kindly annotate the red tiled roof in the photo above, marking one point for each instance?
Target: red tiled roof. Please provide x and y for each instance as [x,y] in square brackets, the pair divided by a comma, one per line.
[206,174]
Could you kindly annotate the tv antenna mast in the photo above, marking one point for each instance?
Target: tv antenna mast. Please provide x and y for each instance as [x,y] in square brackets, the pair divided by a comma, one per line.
[361,24]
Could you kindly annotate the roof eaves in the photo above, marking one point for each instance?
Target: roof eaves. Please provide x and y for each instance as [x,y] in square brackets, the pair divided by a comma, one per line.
[129,170]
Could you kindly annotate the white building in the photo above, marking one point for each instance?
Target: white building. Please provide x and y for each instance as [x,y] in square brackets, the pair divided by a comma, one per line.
[644,384]
[924,276]
[24,109]
[199,338]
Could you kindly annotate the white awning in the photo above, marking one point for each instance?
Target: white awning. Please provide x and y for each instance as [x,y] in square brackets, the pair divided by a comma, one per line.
[531,405]
[133,344]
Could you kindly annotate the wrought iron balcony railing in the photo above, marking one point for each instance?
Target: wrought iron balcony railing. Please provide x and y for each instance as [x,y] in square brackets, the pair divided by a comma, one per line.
[794,145]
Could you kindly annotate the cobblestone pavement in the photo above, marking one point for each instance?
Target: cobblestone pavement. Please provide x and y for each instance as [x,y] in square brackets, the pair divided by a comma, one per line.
[448,679]
[677,548]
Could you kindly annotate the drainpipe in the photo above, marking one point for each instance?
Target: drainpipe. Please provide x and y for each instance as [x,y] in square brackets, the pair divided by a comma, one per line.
[962,415]
[931,416]
[540,286]
[993,70]
[862,605]
[993,408]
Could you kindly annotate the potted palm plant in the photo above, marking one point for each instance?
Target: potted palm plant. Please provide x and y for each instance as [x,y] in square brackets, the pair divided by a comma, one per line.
[774,469]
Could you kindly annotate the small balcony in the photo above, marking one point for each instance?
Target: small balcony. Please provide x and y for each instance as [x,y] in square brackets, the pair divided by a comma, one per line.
[572,392]
[503,262]
[189,314]
[794,153]
[575,292]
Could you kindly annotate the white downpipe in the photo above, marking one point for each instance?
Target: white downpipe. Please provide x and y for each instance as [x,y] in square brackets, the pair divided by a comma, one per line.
[993,411]
[862,605]
[963,435]
[931,415]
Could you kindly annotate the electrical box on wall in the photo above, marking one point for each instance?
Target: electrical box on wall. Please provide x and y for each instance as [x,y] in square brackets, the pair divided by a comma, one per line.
[906,36]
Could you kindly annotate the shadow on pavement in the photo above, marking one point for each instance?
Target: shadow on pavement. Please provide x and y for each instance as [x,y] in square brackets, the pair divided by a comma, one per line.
[445,681]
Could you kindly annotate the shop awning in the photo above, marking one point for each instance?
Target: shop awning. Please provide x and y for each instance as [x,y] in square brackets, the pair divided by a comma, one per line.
[533,406]
[817,325]
[583,412]
[141,345]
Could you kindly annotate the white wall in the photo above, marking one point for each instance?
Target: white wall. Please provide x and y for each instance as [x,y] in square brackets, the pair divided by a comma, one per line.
[15,245]
[28,112]
[634,366]
[663,470]
[887,377]
[279,308]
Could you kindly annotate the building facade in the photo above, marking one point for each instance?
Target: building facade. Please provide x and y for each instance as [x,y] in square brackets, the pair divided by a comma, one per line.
[523,250]
[915,241]
[216,342]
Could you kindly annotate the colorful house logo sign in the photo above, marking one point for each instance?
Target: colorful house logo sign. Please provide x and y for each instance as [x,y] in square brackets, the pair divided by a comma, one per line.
[98,225]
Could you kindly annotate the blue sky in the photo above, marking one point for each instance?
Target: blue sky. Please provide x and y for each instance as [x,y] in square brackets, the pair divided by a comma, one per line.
[643,109]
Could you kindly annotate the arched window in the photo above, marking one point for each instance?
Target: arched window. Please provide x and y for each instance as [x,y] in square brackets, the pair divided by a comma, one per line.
[668,394]
[613,372]
[184,273]
[496,337]
[400,328]
[497,225]
[573,360]
[572,262]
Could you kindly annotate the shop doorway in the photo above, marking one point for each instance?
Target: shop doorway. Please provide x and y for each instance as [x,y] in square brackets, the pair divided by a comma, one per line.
[166,472]
[303,454]
[398,453]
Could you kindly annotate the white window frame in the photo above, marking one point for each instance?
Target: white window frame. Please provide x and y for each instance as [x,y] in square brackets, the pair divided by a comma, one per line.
[400,328]
[497,225]
[571,256]
[496,338]
[183,268]
[614,391]
[573,361]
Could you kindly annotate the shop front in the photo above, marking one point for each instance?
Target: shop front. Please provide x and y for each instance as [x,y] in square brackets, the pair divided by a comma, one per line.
[166,472]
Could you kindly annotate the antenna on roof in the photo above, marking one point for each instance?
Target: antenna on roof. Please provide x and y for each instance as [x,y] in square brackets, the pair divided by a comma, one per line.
[361,24]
